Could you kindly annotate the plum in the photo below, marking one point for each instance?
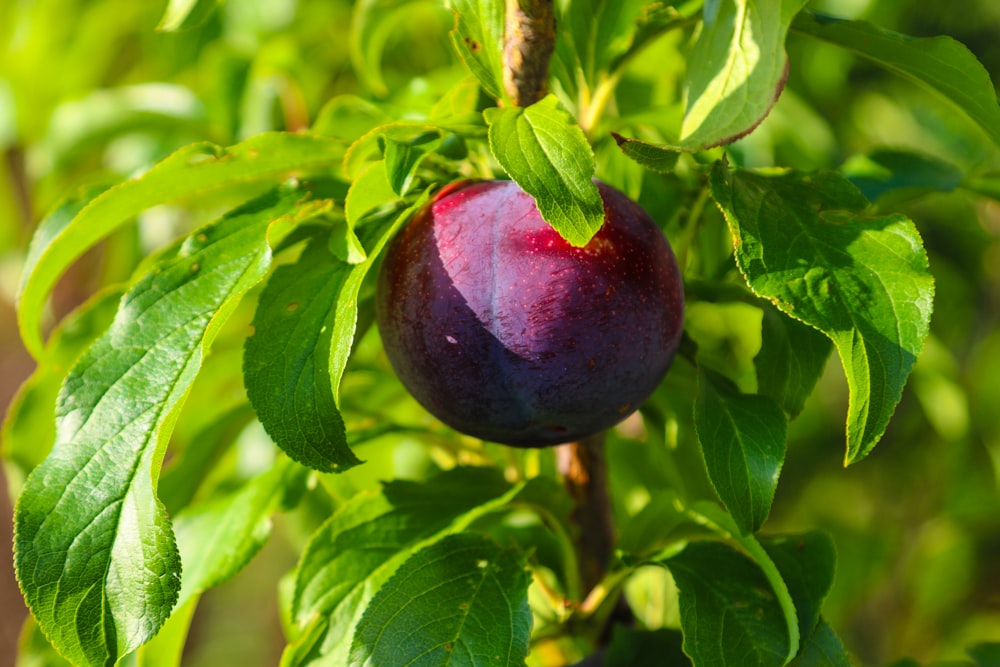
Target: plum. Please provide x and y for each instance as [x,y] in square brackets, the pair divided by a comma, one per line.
[506,332]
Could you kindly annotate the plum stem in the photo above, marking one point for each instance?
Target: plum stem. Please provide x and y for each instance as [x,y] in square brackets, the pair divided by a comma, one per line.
[584,470]
[529,40]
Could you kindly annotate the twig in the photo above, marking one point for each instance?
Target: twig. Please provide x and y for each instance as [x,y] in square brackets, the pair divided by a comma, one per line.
[529,40]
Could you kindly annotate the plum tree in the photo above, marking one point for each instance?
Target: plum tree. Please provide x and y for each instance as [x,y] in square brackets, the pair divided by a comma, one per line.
[505,331]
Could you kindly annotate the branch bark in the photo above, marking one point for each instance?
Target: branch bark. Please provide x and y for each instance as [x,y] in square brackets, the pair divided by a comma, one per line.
[529,40]
[584,470]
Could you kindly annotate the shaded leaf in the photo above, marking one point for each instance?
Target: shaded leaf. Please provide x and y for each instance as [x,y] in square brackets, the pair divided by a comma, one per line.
[545,152]
[218,538]
[742,438]
[358,548]
[654,19]
[632,648]
[468,596]
[807,243]
[651,156]
[368,192]
[791,359]
[303,331]
[729,615]
[986,654]
[886,170]
[596,33]
[822,648]
[806,563]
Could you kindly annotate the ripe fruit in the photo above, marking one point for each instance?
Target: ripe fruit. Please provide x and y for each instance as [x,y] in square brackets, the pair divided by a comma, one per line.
[504,331]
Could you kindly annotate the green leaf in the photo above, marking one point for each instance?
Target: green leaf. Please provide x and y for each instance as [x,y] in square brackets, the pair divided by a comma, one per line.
[742,437]
[359,547]
[74,227]
[185,14]
[28,428]
[95,553]
[940,64]
[468,596]
[729,615]
[545,152]
[166,649]
[791,359]
[658,158]
[631,648]
[403,157]
[370,146]
[806,563]
[303,331]
[736,69]
[652,527]
[886,170]
[216,540]
[368,192]
[809,244]
[479,38]
[823,648]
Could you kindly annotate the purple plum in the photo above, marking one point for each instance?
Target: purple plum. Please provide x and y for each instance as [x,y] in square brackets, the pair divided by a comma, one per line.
[506,332]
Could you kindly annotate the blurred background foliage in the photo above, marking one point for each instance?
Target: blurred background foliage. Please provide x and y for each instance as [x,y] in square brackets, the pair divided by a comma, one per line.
[91,91]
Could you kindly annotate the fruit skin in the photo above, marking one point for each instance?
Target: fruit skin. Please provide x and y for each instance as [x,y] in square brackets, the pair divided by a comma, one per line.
[506,332]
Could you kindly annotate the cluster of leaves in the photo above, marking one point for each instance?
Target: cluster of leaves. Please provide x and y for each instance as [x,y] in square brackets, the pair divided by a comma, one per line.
[133,503]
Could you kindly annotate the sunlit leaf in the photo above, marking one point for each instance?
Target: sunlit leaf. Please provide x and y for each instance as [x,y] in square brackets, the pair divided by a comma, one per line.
[74,227]
[478,38]
[545,152]
[736,69]
[95,552]
[807,243]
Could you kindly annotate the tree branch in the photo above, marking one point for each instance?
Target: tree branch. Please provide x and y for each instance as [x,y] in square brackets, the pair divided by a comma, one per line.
[584,469]
[529,40]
